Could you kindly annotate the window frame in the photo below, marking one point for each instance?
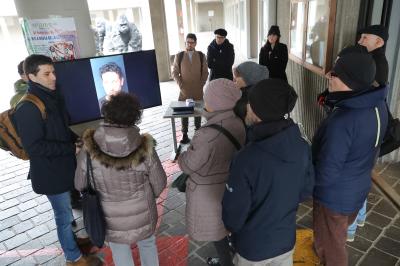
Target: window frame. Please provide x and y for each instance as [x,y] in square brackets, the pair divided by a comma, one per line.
[327,65]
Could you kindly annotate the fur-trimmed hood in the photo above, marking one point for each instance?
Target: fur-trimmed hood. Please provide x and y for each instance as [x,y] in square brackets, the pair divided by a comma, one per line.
[119,147]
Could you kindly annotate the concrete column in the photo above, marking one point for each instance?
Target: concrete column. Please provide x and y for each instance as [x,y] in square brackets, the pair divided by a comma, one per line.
[77,9]
[160,36]
[181,23]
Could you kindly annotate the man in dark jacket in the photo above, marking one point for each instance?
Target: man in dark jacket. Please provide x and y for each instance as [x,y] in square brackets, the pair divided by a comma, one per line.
[220,56]
[259,206]
[49,144]
[345,148]
[274,54]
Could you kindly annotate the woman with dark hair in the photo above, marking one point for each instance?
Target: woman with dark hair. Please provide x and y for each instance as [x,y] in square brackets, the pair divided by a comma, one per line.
[274,55]
[128,176]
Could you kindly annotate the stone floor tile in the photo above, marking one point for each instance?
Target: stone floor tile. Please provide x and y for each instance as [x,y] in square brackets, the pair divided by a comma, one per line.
[194,260]
[6,234]
[374,198]
[59,260]
[43,217]
[303,209]
[178,229]
[30,247]
[172,217]
[182,209]
[389,246]
[38,231]
[16,241]
[8,259]
[208,250]
[43,207]
[8,204]
[28,261]
[377,219]
[306,221]
[27,214]
[27,205]
[389,179]
[353,256]
[393,233]
[22,227]
[9,212]
[173,202]
[28,196]
[369,232]
[385,208]
[376,257]
[9,222]
[49,238]
[397,222]
[360,243]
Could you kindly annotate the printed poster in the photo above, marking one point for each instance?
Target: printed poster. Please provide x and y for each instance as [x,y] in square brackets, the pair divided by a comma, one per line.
[54,37]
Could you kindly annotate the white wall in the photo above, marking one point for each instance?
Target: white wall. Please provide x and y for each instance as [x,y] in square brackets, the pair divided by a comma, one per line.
[206,23]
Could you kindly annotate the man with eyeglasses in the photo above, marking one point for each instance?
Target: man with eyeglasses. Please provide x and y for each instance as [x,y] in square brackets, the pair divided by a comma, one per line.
[191,73]
[220,56]
[345,148]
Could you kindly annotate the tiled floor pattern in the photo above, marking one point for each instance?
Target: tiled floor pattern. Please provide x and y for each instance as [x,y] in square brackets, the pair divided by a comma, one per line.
[27,228]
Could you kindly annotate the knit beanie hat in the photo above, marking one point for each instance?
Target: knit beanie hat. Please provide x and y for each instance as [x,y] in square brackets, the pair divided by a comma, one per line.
[252,72]
[274,30]
[356,70]
[377,30]
[221,94]
[271,99]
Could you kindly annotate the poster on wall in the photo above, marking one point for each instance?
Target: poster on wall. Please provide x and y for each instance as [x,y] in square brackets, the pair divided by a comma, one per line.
[54,37]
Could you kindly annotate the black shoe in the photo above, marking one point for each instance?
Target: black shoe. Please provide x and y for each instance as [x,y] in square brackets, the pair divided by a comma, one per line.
[213,261]
[73,223]
[185,139]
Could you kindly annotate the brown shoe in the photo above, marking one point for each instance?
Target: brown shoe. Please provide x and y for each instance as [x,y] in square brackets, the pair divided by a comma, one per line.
[90,260]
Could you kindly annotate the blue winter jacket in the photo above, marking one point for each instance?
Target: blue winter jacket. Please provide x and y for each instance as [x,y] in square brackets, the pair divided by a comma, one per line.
[345,147]
[268,178]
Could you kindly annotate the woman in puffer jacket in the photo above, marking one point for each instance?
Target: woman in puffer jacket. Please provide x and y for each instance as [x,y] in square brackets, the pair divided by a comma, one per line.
[207,162]
[128,176]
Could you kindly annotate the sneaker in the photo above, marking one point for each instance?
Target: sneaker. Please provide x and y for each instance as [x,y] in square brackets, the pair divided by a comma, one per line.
[185,139]
[360,223]
[350,237]
[90,260]
[213,261]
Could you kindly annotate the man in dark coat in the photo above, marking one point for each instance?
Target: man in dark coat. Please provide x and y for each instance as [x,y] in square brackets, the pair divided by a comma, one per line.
[259,206]
[274,55]
[51,149]
[220,56]
[345,148]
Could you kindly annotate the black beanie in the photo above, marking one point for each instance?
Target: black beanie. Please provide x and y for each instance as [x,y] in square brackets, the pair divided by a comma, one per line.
[274,30]
[271,99]
[221,32]
[377,30]
[356,70]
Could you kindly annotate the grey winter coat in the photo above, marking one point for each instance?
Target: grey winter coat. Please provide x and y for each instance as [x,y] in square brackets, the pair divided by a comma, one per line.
[129,177]
[207,161]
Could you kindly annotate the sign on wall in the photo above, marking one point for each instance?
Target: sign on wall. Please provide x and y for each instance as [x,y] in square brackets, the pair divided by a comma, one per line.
[54,37]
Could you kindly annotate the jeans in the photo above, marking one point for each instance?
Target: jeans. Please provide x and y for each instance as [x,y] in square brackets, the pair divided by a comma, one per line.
[122,253]
[362,214]
[285,259]
[61,204]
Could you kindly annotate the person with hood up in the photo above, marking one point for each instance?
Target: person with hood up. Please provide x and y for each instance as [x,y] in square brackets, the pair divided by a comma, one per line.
[128,177]
[207,161]
[345,148]
[220,56]
[274,54]
[259,207]
[245,75]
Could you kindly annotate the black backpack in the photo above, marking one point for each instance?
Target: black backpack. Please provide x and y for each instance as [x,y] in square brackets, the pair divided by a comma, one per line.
[391,140]
[180,58]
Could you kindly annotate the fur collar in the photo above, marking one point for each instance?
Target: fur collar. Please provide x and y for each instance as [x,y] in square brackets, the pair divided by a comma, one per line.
[138,156]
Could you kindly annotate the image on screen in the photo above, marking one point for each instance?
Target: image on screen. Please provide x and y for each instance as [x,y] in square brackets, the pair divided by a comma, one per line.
[87,83]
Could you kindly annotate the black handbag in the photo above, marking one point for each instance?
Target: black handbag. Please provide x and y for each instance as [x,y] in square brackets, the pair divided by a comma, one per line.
[391,140]
[93,216]
[180,182]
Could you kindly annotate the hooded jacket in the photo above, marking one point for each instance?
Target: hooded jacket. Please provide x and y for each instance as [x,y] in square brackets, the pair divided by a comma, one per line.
[207,162]
[259,205]
[345,147]
[49,142]
[129,177]
[220,59]
[20,88]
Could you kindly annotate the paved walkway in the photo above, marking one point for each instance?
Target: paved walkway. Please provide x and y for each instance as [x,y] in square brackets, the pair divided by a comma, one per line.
[28,235]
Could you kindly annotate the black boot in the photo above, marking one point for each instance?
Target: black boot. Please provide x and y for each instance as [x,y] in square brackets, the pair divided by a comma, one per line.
[213,261]
[185,139]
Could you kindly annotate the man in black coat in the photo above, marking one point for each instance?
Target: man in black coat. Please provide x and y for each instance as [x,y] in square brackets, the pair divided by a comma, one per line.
[274,55]
[51,149]
[220,56]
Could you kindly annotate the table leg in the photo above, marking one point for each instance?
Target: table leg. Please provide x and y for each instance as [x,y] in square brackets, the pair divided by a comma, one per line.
[174,134]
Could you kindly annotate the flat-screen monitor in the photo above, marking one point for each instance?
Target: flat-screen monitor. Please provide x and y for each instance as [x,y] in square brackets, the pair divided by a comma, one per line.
[86,83]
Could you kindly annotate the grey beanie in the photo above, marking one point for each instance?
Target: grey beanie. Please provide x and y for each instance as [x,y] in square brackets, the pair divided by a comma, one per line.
[252,72]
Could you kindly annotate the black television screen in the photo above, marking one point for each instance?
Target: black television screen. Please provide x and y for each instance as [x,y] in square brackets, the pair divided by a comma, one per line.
[86,83]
